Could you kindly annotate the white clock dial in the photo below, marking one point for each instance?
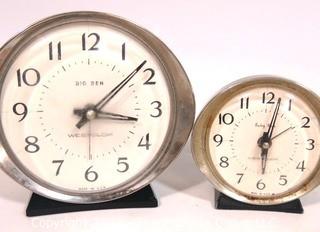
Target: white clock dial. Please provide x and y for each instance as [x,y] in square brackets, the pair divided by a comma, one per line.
[87,107]
[40,96]
[261,141]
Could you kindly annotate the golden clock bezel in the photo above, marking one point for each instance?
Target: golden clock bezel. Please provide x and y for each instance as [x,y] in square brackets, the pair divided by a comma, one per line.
[181,118]
[200,140]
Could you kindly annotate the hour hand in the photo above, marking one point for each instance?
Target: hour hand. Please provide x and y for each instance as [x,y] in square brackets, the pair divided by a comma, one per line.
[98,114]
[114,116]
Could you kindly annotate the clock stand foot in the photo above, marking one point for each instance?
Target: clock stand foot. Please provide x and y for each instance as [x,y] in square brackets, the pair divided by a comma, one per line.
[39,206]
[224,202]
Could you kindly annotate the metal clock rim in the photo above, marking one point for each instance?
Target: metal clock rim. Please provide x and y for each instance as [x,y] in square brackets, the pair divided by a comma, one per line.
[181,119]
[200,149]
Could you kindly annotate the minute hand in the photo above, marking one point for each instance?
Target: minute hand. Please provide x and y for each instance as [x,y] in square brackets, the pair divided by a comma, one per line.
[116,89]
[111,94]
[273,120]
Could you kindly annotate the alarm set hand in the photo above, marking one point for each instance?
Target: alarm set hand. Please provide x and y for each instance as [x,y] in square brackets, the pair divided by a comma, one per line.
[290,128]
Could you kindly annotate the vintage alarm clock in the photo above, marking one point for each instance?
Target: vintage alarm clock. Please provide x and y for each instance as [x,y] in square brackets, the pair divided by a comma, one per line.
[93,107]
[257,140]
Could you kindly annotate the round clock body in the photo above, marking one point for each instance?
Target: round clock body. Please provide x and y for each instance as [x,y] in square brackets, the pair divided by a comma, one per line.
[92,106]
[258,140]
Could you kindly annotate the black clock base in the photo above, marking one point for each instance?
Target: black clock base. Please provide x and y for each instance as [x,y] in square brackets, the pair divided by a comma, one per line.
[224,202]
[39,206]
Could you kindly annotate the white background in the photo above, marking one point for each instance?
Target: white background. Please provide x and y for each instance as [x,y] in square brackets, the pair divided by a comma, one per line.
[217,42]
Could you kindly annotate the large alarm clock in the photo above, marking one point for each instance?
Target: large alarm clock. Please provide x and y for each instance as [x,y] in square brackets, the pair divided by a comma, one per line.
[93,107]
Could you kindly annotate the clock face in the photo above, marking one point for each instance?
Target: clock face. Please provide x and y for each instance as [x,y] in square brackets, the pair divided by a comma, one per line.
[263,140]
[85,107]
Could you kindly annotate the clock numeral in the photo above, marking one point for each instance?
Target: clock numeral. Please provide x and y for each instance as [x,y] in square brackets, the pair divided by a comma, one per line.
[301,166]
[218,139]
[224,162]
[306,121]
[244,103]
[51,55]
[283,180]
[20,109]
[268,98]
[123,51]
[90,175]
[158,108]
[60,162]
[123,165]
[32,146]
[260,185]
[93,47]
[149,81]
[30,77]
[145,144]
[226,118]
[240,177]
[311,144]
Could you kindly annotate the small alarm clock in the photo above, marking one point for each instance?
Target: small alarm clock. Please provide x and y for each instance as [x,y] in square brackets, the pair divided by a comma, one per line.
[257,140]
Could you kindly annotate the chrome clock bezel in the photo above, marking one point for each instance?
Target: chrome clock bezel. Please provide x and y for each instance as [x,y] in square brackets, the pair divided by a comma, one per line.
[200,147]
[181,119]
